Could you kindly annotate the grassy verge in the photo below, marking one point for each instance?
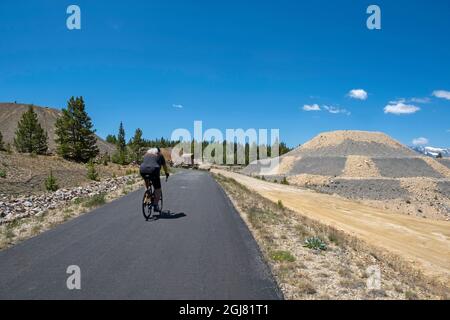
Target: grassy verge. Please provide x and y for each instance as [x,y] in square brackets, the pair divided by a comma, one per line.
[21,229]
[313,261]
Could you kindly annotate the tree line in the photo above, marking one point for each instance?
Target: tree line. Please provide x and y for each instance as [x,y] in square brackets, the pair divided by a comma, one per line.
[133,150]
[76,141]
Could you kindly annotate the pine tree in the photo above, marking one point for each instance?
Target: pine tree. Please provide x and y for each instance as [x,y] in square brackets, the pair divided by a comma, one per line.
[92,174]
[121,156]
[30,137]
[111,139]
[50,182]
[2,144]
[121,143]
[76,138]
[137,143]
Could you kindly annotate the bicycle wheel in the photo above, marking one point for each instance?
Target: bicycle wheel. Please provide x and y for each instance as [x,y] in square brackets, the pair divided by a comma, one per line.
[147,208]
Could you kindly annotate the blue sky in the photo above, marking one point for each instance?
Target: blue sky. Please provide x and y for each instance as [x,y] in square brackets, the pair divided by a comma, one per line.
[234,64]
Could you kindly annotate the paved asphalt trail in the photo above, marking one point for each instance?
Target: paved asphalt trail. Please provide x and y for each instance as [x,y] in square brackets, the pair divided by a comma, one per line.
[202,250]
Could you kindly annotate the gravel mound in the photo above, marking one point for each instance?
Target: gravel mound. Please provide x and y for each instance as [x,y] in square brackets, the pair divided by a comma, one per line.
[445,162]
[405,167]
[444,188]
[369,167]
[357,148]
[370,189]
[335,138]
[325,166]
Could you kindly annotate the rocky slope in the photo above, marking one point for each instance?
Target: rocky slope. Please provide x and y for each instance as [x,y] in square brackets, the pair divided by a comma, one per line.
[19,207]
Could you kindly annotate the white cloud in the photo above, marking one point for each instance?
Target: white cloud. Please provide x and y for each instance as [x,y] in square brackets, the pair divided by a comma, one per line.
[330,109]
[399,107]
[420,141]
[336,110]
[401,100]
[314,107]
[178,106]
[420,100]
[359,94]
[442,94]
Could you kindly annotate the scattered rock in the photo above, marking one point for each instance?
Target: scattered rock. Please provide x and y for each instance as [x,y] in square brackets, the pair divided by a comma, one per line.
[12,208]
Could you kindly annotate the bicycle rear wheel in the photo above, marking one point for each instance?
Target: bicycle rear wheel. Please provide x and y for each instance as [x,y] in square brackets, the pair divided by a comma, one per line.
[147,208]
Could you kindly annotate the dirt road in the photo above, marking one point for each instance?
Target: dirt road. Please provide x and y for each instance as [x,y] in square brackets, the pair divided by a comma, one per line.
[422,242]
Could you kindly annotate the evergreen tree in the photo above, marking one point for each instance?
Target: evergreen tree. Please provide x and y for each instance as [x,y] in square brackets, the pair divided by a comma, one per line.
[2,144]
[30,137]
[111,139]
[136,145]
[76,138]
[121,156]
[51,183]
[92,174]
[121,142]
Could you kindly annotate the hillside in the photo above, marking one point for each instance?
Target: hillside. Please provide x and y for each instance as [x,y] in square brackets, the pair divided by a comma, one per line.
[10,114]
[25,174]
[365,166]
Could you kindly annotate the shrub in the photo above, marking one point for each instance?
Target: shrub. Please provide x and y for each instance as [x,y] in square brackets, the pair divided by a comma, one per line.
[50,183]
[280,204]
[8,148]
[2,173]
[284,181]
[92,174]
[105,159]
[282,256]
[315,243]
[95,201]
[2,145]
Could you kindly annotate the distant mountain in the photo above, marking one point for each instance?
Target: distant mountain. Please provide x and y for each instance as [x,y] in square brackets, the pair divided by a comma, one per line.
[432,151]
[10,114]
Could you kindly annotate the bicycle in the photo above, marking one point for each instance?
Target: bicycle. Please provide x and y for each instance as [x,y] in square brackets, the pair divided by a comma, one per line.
[147,207]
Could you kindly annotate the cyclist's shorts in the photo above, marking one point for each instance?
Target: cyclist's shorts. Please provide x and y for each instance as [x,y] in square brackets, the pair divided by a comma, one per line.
[153,177]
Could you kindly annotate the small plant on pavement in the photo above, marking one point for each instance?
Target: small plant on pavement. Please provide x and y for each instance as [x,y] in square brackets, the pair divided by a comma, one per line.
[315,243]
[2,173]
[50,183]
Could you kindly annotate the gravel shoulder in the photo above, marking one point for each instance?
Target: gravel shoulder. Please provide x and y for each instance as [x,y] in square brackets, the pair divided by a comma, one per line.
[391,233]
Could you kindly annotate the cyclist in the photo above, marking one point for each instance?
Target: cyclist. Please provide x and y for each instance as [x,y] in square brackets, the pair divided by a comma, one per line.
[150,171]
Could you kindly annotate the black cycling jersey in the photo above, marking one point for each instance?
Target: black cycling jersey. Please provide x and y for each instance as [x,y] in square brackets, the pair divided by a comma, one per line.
[152,162]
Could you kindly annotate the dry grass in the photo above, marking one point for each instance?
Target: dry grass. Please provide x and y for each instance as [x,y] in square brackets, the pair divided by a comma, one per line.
[337,273]
[25,174]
